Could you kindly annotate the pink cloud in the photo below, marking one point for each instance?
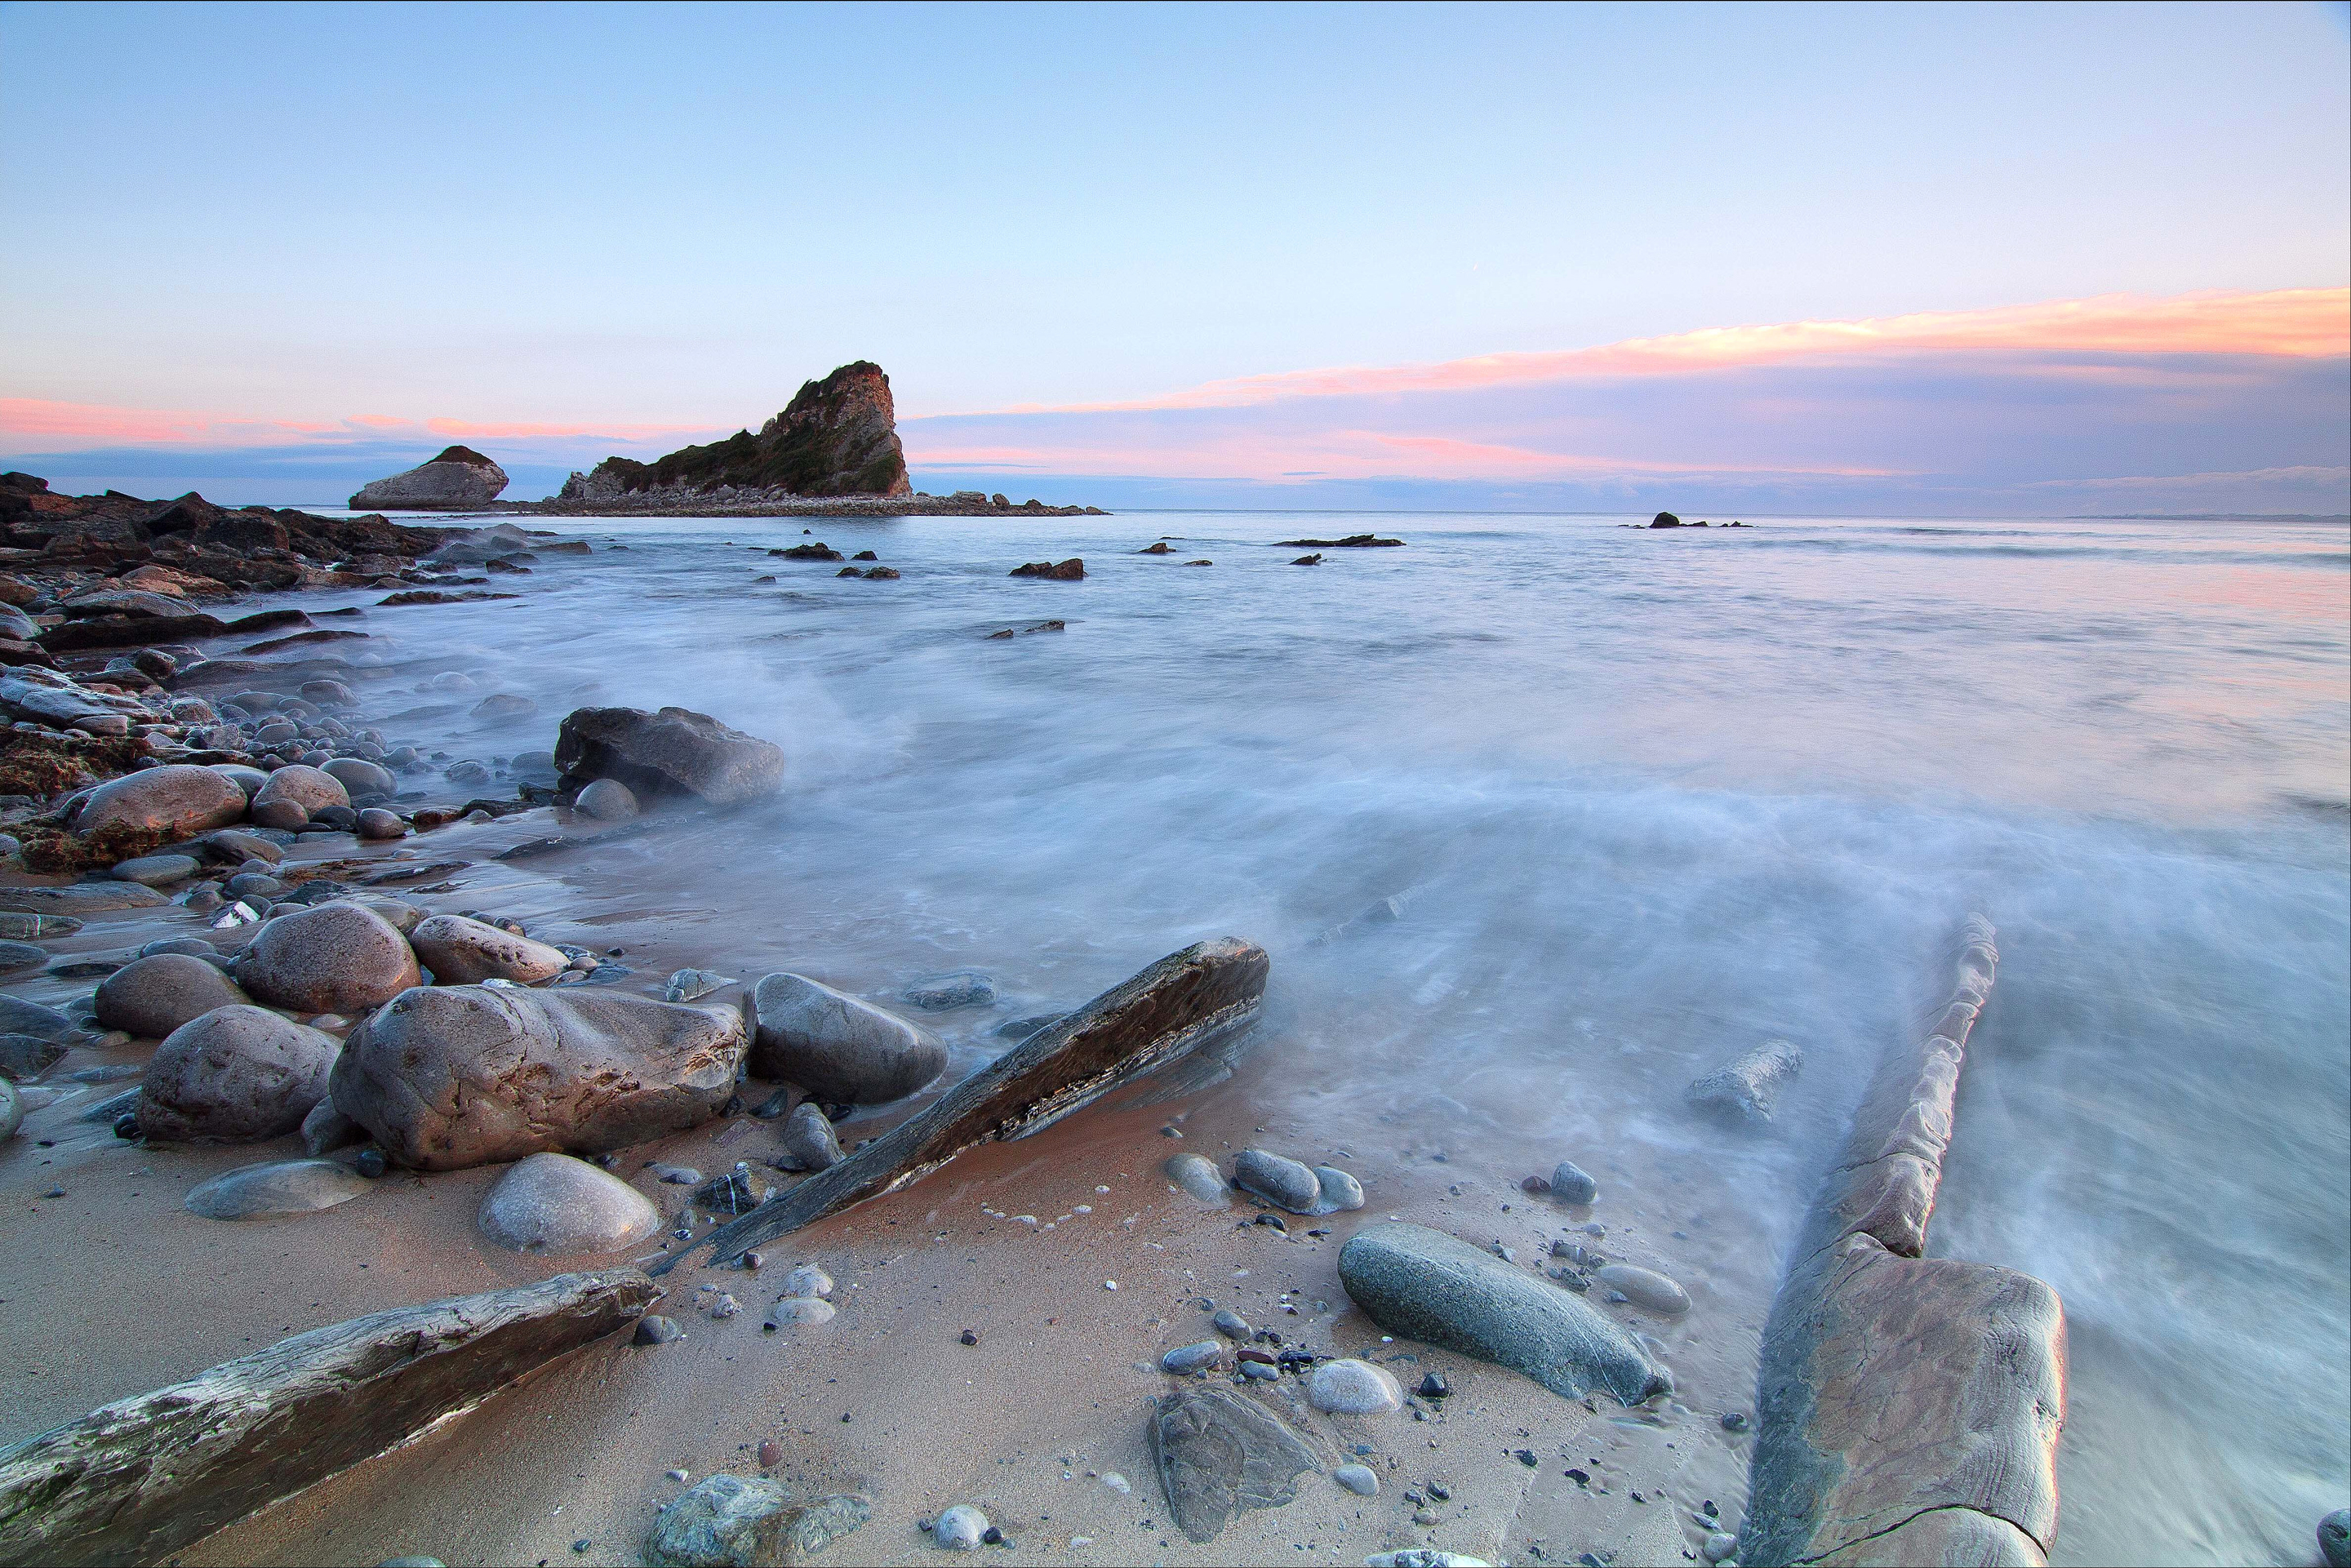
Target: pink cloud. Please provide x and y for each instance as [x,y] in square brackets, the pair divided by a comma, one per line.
[37,422]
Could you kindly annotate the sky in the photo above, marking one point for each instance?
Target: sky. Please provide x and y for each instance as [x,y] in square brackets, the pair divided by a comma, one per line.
[2026,261]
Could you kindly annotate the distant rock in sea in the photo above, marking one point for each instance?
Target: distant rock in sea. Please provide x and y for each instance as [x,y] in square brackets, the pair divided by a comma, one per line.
[838,437]
[458,480]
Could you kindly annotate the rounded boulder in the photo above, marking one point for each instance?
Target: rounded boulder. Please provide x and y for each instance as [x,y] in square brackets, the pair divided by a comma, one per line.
[311,788]
[237,1074]
[360,777]
[175,799]
[462,952]
[330,958]
[842,1050]
[553,1203]
[151,997]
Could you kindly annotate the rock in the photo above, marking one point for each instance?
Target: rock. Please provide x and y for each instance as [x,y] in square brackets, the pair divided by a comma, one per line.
[808,1279]
[19,1017]
[463,952]
[379,824]
[607,800]
[145,1477]
[499,706]
[336,957]
[803,1311]
[1357,1479]
[956,988]
[960,1528]
[1219,1455]
[2335,1538]
[654,1329]
[1202,996]
[15,955]
[460,479]
[1070,571]
[1570,1185]
[1353,1388]
[734,1193]
[1231,1324]
[1276,1180]
[1198,1175]
[1424,1556]
[175,800]
[837,437]
[151,997]
[1415,1282]
[326,1129]
[156,871]
[673,752]
[360,777]
[808,1139]
[553,1203]
[81,897]
[38,927]
[281,1187]
[236,1074]
[306,787]
[1646,1288]
[1718,1545]
[1744,1089]
[748,1521]
[841,1050]
[1340,1192]
[1308,560]
[1188,1359]
[447,1077]
[692,984]
[1667,520]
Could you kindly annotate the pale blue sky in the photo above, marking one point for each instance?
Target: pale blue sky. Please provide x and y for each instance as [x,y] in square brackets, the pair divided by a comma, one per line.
[615,215]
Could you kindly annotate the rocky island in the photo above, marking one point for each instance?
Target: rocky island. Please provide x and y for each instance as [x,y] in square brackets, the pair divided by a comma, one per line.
[460,480]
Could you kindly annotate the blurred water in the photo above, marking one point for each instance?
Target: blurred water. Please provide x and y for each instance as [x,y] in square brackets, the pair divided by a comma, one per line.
[1651,797]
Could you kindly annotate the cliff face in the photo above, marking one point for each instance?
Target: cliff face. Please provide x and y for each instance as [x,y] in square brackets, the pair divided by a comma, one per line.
[460,478]
[839,437]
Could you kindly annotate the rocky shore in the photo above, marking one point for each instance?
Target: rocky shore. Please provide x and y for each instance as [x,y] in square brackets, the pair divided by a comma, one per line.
[737,501]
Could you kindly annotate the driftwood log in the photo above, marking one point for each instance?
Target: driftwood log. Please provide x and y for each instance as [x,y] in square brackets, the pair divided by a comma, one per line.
[142,1478]
[1910,1407]
[1186,1001]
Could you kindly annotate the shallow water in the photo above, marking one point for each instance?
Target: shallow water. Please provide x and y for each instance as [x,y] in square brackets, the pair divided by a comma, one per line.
[1649,798]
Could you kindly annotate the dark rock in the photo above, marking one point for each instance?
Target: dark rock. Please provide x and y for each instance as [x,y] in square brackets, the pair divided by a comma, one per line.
[655,1329]
[1308,560]
[673,752]
[837,437]
[23,1057]
[1667,520]
[1434,1387]
[1353,541]
[807,1140]
[2335,1538]
[1219,1455]
[236,1074]
[1071,571]
[837,1047]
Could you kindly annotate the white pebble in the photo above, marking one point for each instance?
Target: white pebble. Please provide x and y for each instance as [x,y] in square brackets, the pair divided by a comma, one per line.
[1117,1483]
[1110,1284]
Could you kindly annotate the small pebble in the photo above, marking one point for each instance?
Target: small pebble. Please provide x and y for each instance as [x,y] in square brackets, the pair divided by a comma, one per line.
[771,1454]
[1735,1421]
[970,1336]
[1357,1479]
[655,1329]
[1570,1185]
[1434,1387]
[1230,1323]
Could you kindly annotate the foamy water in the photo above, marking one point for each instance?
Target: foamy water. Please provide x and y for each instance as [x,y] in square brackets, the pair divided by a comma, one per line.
[1649,798]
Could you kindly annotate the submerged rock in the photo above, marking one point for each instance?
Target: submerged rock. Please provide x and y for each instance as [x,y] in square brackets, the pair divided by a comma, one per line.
[1219,1455]
[748,1521]
[1646,1288]
[459,479]
[673,752]
[553,1203]
[1744,1089]
[236,1074]
[607,800]
[337,957]
[956,988]
[841,1050]
[280,1187]
[1412,1280]
[447,1077]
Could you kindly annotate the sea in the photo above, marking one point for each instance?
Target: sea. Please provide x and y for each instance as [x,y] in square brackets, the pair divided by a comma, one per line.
[1542,817]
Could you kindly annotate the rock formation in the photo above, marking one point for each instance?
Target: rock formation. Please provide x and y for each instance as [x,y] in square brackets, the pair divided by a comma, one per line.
[458,480]
[838,437]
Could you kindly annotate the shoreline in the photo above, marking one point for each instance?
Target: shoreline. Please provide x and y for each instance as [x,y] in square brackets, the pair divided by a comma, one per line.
[914,505]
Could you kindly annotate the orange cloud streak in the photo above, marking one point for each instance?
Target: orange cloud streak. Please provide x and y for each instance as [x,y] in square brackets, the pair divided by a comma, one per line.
[38,422]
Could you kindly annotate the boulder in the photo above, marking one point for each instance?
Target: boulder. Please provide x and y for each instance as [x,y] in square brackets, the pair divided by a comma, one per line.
[1423,1285]
[553,1203]
[1198,1175]
[673,752]
[462,952]
[1350,1388]
[841,1050]
[447,1077]
[458,480]
[337,957]
[311,788]
[837,437]
[280,1187]
[151,997]
[1276,1180]
[81,897]
[607,800]
[234,1075]
[174,800]
[360,777]
[1220,1454]
[156,871]
[1071,571]
[748,1521]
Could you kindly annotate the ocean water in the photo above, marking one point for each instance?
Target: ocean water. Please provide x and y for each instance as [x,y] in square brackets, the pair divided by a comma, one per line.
[1641,800]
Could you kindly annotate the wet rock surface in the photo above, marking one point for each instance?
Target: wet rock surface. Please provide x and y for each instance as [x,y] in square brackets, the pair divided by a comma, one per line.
[673,752]
[235,1074]
[463,952]
[279,1187]
[153,996]
[336,957]
[1746,1088]
[554,1203]
[1220,1454]
[839,1049]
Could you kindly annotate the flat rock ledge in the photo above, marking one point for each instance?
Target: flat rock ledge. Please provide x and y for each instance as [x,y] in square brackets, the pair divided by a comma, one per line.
[1910,1407]
[144,1477]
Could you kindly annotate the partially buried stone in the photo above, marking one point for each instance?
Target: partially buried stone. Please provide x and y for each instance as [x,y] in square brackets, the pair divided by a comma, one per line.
[802,1310]
[1352,1387]
[808,1139]
[153,996]
[1357,1479]
[960,1528]
[280,1187]
[553,1203]
[674,751]
[837,1047]
[1230,1323]
[1746,1088]
[462,952]
[2335,1538]
[748,1521]
[236,1074]
[956,988]
[1219,1455]
[331,959]
[1646,1287]
[1276,1180]
[1187,1359]
[691,984]
[1570,1185]
[655,1329]
[808,1279]
[1198,1175]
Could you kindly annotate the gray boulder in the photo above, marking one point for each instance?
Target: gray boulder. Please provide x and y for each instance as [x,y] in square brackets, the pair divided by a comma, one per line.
[673,752]
[360,777]
[841,1050]
[307,787]
[462,952]
[807,1140]
[175,799]
[156,871]
[459,479]
[1426,1285]
[337,957]
[19,1015]
[451,1076]
[607,800]
[234,1075]
[151,997]
[553,1203]
[1219,1455]
[748,1521]
[280,1187]
[1198,1175]
[1276,1180]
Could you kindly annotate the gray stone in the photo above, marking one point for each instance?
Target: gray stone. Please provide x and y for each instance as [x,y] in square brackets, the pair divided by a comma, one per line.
[462,952]
[23,1058]
[1357,1479]
[145,1477]
[2335,1538]
[248,781]
[1220,1454]
[1340,1192]
[1744,1089]
[81,897]
[960,1528]
[1350,1388]
[15,955]
[808,1279]
[1188,1359]
[360,777]
[280,1187]
[673,752]
[11,1111]
[692,984]
[237,847]
[808,1139]
[1570,1185]
[956,988]
[1230,1324]
[335,957]
[151,997]
[1276,1180]
[1422,1283]
[451,1076]
[553,1203]
[19,1015]
[326,1129]
[156,871]
[236,1074]
[174,800]
[1198,1175]
[21,927]
[306,787]
[1646,1288]
[457,480]
[607,800]
[250,883]
[375,822]
[841,1050]
[748,1521]
[800,1310]
[1718,1545]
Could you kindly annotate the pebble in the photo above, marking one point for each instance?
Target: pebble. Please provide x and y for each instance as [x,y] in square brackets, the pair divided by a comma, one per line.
[1276,1180]
[723,1306]
[687,985]
[1185,1360]
[655,1329]
[1357,1479]
[1117,1483]
[1341,1192]
[1198,1175]
[1735,1421]
[808,1279]
[1719,1546]
[1646,1287]
[805,1310]
[676,1175]
[156,871]
[1259,1372]
[1434,1387]
[1230,1323]
[554,1203]
[960,1528]
[1570,1185]
[1352,1387]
